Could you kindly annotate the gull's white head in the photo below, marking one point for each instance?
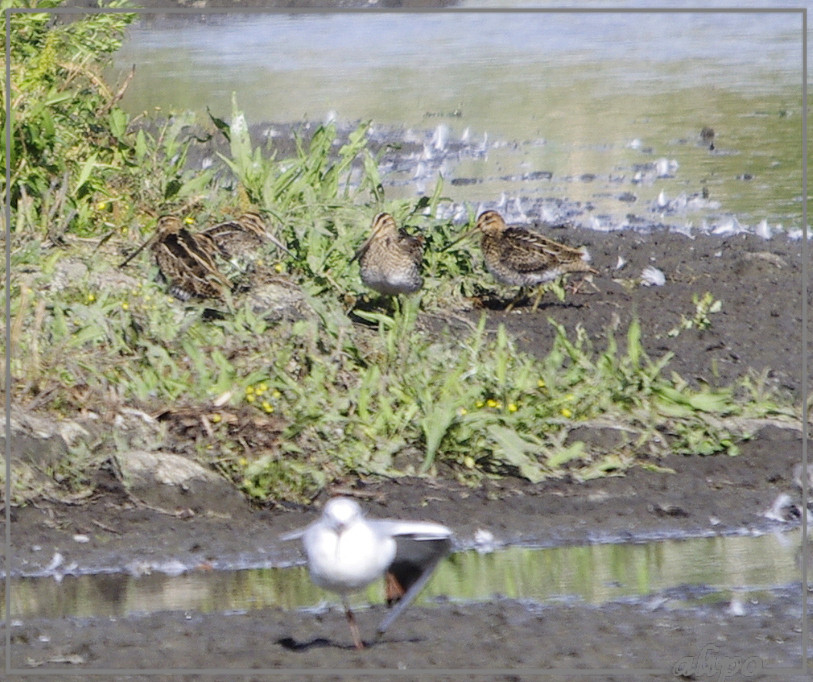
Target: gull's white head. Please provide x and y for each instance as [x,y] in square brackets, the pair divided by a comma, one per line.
[340,512]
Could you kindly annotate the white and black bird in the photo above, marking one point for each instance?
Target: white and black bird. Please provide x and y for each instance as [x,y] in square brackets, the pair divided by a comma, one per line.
[346,552]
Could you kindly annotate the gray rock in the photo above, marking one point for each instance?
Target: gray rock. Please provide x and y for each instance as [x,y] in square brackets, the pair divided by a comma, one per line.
[173,482]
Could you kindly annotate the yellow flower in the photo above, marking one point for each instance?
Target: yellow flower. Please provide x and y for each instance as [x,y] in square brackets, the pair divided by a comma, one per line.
[566,413]
[279,267]
[91,298]
[250,398]
[242,461]
[462,411]
[189,220]
[249,390]
[125,305]
[540,383]
[268,407]
[102,205]
[468,461]
[216,418]
[275,394]
[479,404]
[512,407]
[494,403]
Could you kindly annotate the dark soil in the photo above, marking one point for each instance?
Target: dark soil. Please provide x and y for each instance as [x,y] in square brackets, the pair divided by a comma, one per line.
[758,327]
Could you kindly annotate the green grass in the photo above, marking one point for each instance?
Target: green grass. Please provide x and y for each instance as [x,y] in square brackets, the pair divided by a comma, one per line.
[289,408]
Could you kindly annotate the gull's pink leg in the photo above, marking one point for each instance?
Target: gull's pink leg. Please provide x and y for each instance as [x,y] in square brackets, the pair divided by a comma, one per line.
[354,629]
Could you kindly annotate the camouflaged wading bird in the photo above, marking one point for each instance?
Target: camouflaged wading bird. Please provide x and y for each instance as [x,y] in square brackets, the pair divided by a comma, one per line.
[522,258]
[239,241]
[390,259]
[185,259]
[346,552]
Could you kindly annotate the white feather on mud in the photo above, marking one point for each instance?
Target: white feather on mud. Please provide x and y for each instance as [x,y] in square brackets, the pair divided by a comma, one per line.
[652,277]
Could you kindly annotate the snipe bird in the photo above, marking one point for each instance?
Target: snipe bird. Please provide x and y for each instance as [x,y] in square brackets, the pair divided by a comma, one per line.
[390,259]
[519,257]
[346,552]
[186,260]
[240,240]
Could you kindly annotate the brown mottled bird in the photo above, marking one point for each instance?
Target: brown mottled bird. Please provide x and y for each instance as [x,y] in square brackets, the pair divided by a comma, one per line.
[522,258]
[240,240]
[390,259]
[185,259]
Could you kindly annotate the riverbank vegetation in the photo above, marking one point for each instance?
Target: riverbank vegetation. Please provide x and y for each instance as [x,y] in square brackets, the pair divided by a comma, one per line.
[339,385]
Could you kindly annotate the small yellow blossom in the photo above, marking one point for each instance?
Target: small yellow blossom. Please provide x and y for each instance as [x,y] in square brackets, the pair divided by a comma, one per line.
[250,398]
[102,205]
[242,461]
[512,407]
[479,404]
[566,413]
[268,407]
[249,390]
[462,411]
[468,461]
[494,403]
[91,297]
[216,418]
[279,267]
[189,220]
[275,393]
[540,383]
[125,305]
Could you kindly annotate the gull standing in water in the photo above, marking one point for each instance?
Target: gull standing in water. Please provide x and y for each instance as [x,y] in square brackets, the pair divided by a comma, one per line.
[346,552]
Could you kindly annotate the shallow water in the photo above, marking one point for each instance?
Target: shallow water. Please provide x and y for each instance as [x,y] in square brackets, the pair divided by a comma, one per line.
[687,572]
[609,105]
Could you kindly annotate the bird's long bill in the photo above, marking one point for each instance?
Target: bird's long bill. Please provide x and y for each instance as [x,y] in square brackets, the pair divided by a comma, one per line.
[276,242]
[460,238]
[147,243]
[358,254]
[379,222]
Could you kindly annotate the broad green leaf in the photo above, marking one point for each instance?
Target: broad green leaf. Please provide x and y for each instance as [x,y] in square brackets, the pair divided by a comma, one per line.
[87,169]
[517,452]
[560,457]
